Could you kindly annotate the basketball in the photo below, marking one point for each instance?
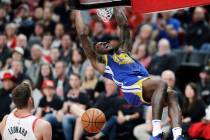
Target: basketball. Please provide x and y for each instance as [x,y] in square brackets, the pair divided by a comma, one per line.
[93,120]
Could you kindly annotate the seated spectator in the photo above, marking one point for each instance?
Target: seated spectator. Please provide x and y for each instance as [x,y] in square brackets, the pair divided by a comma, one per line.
[198,29]
[142,55]
[61,81]
[22,42]
[11,35]
[18,55]
[193,108]
[66,48]
[76,59]
[49,105]
[77,98]
[38,14]
[4,50]
[145,38]
[37,61]
[169,27]
[201,129]
[45,73]
[163,60]
[24,20]
[169,77]
[38,33]
[54,55]
[144,131]
[8,83]
[47,43]
[49,24]
[19,74]
[90,81]
[59,32]
[99,34]
[204,85]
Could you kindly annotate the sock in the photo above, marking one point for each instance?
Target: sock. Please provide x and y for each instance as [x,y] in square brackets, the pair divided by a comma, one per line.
[177,131]
[156,127]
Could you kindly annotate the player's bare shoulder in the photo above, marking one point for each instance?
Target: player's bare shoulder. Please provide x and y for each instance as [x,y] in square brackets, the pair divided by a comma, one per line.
[42,130]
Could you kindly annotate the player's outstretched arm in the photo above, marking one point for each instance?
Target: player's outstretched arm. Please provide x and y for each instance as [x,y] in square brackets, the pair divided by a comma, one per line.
[124,28]
[82,31]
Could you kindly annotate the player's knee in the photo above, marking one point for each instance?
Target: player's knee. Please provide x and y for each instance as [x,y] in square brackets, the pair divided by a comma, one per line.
[162,84]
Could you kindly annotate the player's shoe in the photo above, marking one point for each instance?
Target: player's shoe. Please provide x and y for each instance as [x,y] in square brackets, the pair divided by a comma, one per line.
[158,137]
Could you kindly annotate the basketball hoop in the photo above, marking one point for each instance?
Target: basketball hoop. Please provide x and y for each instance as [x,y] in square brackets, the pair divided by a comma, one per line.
[105,13]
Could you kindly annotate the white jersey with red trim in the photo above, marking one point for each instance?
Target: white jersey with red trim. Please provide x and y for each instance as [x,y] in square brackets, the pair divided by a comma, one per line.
[19,128]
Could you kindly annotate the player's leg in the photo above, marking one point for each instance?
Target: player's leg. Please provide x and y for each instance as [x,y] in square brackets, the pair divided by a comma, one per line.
[174,113]
[154,91]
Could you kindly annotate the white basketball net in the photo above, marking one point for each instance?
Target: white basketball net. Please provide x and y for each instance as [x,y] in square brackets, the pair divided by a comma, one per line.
[105,13]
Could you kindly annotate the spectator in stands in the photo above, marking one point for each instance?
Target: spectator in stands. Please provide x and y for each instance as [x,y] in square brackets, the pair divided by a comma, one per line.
[49,24]
[169,28]
[45,73]
[22,42]
[18,69]
[37,61]
[145,38]
[66,48]
[8,81]
[194,108]
[90,81]
[163,60]
[169,77]
[74,97]
[76,59]
[61,81]
[110,97]
[47,43]
[4,51]
[18,54]
[49,105]
[201,129]
[99,33]
[54,55]
[38,14]
[198,29]
[143,131]
[204,84]
[142,55]
[38,33]
[59,32]
[3,19]
[24,20]
[11,35]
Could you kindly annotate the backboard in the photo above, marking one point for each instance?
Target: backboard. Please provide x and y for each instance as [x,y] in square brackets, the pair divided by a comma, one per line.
[92,4]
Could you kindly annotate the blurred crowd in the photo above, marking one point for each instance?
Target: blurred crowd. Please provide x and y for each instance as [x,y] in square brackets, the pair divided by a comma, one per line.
[38,42]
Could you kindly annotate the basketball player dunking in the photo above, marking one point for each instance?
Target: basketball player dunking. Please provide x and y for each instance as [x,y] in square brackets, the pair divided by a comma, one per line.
[114,62]
[20,124]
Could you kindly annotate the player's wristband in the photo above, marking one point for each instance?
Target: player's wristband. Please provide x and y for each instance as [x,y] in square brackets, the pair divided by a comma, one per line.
[127,118]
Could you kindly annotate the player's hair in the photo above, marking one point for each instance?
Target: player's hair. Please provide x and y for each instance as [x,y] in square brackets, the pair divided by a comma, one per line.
[21,94]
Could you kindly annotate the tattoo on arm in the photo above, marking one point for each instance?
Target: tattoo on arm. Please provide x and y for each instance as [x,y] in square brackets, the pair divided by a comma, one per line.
[124,28]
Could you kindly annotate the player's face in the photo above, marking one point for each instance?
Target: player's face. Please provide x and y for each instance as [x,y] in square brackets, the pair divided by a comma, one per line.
[103,47]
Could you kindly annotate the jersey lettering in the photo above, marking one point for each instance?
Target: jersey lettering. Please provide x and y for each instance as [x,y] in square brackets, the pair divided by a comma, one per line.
[17,129]
[122,58]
